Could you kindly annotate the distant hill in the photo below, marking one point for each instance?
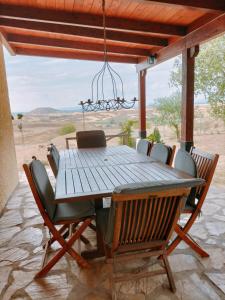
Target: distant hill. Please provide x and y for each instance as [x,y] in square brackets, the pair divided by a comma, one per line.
[44,111]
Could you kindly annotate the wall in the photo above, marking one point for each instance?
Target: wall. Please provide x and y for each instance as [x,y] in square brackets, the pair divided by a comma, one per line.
[8,164]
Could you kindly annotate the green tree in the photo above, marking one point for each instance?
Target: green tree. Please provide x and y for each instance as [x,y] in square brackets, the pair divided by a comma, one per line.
[209,75]
[169,111]
[127,127]
[66,129]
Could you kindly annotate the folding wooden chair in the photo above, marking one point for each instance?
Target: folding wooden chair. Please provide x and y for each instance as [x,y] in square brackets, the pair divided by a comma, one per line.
[140,222]
[91,139]
[163,153]
[65,214]
[53,159]
[206,164]
[143,146]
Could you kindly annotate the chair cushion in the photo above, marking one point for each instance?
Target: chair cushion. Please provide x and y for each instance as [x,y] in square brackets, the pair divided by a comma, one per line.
[43,187]
[156,186]
[55,155]
[185,162]
[143,146]
[160,153]
[91,139]
[74,211]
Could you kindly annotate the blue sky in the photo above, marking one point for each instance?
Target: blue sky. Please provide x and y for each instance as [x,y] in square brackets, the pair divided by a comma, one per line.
[59,83]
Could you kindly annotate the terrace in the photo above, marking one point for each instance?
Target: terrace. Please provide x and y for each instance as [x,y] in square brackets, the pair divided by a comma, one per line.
[145,33]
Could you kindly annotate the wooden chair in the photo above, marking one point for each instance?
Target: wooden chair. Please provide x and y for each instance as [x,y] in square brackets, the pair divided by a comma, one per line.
[163,153]
[65,214]
[206,165]
[140,222]
[143,146]
[91,139]
[53,159]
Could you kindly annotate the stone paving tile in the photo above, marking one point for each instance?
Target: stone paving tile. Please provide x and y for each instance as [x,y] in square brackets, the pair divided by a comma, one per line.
[22,232]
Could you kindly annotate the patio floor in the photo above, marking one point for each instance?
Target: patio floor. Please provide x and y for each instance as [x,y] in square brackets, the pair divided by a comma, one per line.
[22,234]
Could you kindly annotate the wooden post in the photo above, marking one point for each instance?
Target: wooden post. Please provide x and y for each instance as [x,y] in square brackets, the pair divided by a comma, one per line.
[187,110]
[142,103]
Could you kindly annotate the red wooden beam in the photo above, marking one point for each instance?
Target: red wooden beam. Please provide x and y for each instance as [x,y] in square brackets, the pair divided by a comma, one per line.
[74,55]
[5,42]
[187,110]
[142,103]
[214,5]
[84,19]
[84,31]
[15,39]
[198,36]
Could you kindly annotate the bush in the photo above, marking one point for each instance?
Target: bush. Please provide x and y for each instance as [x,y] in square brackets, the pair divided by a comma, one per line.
[155,136]
[68,128]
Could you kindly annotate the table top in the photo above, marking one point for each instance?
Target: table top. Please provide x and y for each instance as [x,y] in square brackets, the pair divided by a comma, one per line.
[94,173]
[99,157]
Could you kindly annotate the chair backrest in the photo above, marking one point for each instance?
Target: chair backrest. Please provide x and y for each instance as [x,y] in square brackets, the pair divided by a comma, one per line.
[91,139]
[185,162]
[206,165]
[163,153]
[41,187]
[143,146]
[143,215]
[53,158]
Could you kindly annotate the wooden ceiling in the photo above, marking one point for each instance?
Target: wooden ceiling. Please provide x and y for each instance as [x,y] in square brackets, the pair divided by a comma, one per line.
[136,29]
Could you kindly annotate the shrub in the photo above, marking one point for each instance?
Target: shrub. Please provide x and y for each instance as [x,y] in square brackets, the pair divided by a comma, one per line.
[68,128]
[155,136]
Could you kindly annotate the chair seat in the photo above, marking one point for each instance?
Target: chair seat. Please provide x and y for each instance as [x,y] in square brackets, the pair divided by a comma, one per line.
[73,211]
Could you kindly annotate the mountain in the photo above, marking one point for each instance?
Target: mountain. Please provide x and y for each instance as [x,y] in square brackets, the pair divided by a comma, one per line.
[44,111]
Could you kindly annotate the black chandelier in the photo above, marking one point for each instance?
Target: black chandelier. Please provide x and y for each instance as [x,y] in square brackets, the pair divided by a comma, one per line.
[98,99]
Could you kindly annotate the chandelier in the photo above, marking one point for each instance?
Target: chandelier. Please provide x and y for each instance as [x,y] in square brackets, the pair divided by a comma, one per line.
[99,100]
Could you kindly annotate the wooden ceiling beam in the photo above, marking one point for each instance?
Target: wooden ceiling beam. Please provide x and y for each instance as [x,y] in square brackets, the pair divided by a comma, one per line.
[200,35]
[15,39]
[5,42]
[84,19]
[84,32]
[213,5]
[74,55]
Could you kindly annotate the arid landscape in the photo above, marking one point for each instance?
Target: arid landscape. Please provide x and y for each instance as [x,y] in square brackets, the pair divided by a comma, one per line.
[43,126]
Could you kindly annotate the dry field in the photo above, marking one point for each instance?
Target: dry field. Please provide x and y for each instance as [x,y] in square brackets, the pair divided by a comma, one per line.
[40,130]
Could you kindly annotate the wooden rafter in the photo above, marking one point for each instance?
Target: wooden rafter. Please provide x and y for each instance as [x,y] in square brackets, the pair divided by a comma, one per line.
[200,35]
[84,31]
[74,55]
[84,19]
[214,5]
[5,42]
[15,39]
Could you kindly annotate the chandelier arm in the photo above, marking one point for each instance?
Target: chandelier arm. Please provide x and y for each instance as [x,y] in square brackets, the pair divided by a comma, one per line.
[98,77]
[103,94]
[121,81]
[93,81]
[113,81]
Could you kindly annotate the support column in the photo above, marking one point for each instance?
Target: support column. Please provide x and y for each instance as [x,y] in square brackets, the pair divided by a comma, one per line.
[8,164]
[142,103]
[187,109]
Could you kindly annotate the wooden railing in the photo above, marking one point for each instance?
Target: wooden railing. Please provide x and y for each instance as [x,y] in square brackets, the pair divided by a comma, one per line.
[109,137]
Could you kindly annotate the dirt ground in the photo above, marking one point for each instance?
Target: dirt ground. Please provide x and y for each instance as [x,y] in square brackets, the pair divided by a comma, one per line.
[40,130]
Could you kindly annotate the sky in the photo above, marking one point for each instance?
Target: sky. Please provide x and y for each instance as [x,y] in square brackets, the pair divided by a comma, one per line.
[60,83]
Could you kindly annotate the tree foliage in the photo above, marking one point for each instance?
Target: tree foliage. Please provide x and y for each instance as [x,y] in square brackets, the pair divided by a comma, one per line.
[127,127]
[169,111]
[155,136]
[209,75]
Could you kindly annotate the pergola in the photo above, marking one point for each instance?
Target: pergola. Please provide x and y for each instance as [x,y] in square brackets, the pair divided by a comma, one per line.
[140,32]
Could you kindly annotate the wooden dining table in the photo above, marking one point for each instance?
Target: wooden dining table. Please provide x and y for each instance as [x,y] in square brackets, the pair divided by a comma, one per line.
[92,174]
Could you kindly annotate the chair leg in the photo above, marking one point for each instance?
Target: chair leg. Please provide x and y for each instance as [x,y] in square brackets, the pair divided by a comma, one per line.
[188,240]
[169,273]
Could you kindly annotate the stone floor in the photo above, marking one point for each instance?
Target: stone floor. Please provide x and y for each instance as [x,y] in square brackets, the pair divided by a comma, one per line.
[22,234]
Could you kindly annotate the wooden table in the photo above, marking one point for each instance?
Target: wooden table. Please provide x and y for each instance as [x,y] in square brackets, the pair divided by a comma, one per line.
[94,173]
